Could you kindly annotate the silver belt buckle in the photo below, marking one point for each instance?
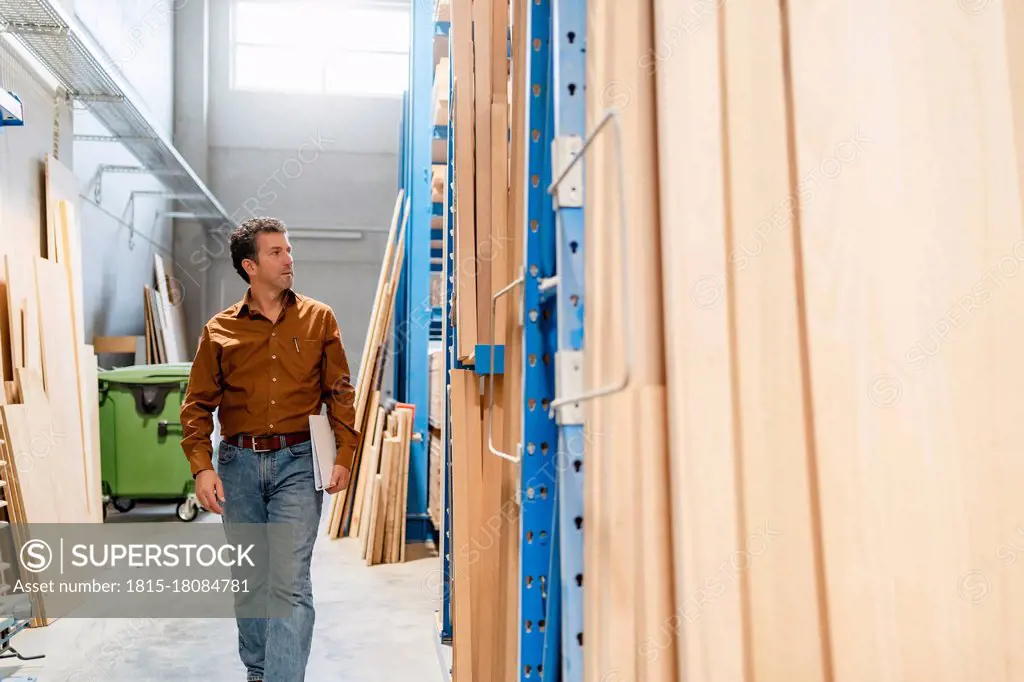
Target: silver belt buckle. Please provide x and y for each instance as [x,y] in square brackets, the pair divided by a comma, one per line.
[254,449]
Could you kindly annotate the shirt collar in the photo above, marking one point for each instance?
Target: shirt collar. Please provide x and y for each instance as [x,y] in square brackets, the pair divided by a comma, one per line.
[245,305]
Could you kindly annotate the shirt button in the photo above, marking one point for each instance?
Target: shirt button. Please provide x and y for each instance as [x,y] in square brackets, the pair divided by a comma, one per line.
[273,333]
[273,357]
[274,379]
[273,402]
[271,426]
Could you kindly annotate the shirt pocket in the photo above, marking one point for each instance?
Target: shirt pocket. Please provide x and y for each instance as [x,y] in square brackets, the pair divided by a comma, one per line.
[300,358]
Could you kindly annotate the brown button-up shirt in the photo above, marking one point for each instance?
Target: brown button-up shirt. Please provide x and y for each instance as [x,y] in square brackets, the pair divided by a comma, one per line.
[268,377]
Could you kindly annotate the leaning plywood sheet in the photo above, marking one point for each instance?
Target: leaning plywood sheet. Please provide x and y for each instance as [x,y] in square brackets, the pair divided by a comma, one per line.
[786,634]
[366,364]
[61,186]
[634,580]
[483,21]
[461,36]
[37,453]
[27,446]
[403,481]
[150,333]
[510,396]
[69,255]
[6,346]
[22,308]
[366,466]
[89,382]
[910,246]
[60,374]
[465,520]
[156,320]
[170,313]
[69,258]
[370,468]
[706,528]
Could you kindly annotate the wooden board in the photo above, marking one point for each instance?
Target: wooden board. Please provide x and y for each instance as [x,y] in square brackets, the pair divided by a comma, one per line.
[69,255]
[367,466]
[783,572]
[511,398]
[913,351]
[701,429]
[376,371]
[89,380]
[11,392]
[369,501]
[23,308]
[465,192]
[6,345]
[482,75]
[403,481]
[372,340]
[383,500]
[15,508]
[465,487]
[37,453]
[59,363]
[373,536]
[61,186]
[169,313]
[392,524]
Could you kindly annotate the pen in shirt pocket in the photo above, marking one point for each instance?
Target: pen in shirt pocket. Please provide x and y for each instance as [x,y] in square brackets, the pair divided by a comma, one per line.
[296,340]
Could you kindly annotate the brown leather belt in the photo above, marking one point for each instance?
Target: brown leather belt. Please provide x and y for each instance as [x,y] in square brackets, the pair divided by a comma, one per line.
[268,443]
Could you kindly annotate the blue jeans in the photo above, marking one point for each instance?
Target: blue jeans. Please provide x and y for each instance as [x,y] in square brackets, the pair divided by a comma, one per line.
[275,487]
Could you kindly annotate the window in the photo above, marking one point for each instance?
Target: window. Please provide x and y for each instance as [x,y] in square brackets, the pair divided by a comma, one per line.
[329,47]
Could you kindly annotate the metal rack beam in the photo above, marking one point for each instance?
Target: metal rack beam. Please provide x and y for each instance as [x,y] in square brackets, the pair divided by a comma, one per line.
[540,586]
[67,50]
[451,360]
[413,310]
[568,44]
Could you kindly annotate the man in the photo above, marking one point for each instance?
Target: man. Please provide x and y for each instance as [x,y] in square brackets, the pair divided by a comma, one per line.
[269,362]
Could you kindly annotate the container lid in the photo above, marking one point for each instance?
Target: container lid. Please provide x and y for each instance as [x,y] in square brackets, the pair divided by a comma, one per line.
[167,373]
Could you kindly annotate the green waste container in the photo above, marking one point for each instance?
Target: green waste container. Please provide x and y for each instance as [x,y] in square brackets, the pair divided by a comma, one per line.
[140,437]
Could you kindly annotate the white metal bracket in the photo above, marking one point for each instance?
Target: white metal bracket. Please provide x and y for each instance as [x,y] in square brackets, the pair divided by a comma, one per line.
[564,149]
[569,381]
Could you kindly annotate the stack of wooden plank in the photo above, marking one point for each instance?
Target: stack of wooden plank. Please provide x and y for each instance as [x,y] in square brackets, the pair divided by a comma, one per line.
[50,450]
[825,316]
[166,339]
[435,476]
[382,496]
[435,450]
[488,225]
[345,510]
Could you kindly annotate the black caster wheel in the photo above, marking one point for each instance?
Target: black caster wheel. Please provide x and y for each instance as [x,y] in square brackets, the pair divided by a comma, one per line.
[188,510]
[122,505]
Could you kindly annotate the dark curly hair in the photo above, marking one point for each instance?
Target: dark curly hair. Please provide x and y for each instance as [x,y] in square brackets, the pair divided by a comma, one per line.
[243,241]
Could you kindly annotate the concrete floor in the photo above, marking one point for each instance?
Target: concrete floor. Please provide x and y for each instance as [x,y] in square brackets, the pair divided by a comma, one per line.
[372,624]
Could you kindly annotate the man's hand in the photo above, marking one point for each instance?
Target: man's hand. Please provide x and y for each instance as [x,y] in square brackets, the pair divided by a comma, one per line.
[339,479]
[210,490]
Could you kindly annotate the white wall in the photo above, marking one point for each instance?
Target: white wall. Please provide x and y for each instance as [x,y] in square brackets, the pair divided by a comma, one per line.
[311,161]
[137,35]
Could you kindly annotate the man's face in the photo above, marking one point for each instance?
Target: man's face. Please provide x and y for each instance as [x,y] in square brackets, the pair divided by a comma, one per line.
[274,267]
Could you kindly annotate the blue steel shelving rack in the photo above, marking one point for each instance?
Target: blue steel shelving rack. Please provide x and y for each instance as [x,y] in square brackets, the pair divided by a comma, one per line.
[414,314]
[568,90]
[540,586]
[553,438]
[451,359]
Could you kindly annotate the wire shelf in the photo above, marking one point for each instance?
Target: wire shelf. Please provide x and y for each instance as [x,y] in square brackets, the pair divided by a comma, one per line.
[90,76]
